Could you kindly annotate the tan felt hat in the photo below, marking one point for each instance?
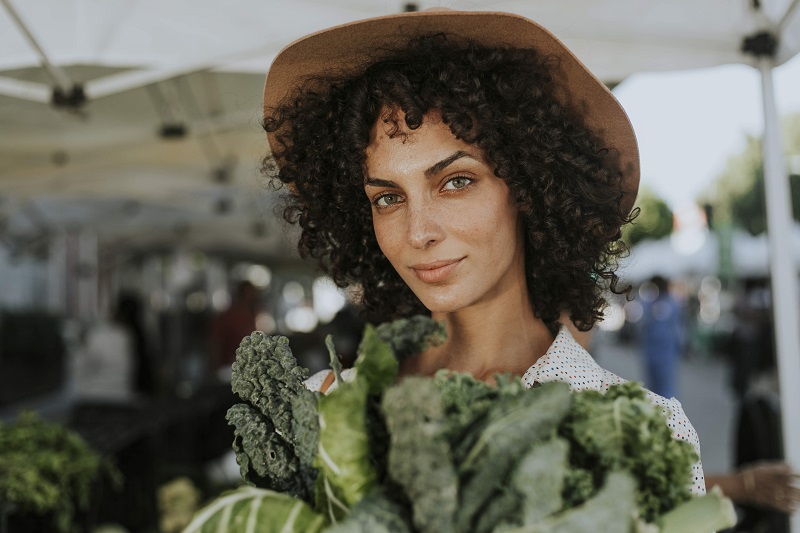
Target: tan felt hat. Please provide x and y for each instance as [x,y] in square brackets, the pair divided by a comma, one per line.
[350,48]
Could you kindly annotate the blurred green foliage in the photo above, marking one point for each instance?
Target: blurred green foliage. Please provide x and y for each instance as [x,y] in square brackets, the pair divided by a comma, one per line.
[46,469]
[738,196]
[654,220]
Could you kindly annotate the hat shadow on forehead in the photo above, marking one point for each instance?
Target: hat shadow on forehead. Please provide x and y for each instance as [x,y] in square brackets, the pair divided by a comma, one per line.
[349,49]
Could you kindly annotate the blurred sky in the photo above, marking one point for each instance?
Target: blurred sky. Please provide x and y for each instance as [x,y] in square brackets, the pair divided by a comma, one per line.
[688,123]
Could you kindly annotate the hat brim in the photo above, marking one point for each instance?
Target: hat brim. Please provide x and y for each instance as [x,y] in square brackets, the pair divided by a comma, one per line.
[348,49]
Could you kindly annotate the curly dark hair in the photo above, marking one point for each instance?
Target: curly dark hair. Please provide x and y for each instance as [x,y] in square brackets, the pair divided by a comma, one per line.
[499,99]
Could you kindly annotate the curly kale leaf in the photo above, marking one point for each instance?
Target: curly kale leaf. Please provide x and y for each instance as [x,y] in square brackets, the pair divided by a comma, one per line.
[305,427]
[410,336]
[419,453]
[579,486]
[512,424]
[277,430]
[264,457]
[622,430]
[466,401]
[267,375]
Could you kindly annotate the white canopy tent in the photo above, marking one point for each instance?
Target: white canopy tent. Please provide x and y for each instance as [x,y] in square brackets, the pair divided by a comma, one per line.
[668,257]
[86,84]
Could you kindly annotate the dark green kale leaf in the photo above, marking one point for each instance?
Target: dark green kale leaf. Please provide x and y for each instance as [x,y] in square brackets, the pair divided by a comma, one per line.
[419,453]
[277,429]
[466,402]
[410,336]
[267,375]
[512,424]
[264,458]
[579,486]
[305,427]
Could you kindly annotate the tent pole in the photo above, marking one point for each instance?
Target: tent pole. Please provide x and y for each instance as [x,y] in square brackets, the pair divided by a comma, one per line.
[785,18]
[59,76]
[783,272]
[66,94]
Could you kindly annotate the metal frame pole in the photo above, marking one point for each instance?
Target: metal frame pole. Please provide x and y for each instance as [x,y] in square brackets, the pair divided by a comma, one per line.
[60,77]
[785,305]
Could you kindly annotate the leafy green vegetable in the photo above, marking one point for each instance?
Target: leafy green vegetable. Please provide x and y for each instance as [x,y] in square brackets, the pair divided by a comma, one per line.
[539,479]
[266,375]
[376,363]
[419,455]
[305,428]
[448,453]
[409,336]
[622,430]
[375,513]
[344,444]
[610,511]
[276,430]
[699,515]
[264,457]
[47,468]
[344,438]
[512,424]
[250,509]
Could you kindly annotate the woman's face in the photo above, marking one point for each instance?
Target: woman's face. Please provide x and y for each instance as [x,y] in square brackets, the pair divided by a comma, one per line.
[446,223]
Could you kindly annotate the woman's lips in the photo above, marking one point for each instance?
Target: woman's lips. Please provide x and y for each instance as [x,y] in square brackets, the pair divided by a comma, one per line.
[435,271]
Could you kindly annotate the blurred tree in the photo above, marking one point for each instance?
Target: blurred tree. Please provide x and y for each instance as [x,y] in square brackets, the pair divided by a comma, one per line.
[654,220]
[737,195]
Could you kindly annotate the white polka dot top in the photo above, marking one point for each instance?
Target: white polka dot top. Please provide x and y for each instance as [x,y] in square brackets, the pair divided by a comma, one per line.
[568,362]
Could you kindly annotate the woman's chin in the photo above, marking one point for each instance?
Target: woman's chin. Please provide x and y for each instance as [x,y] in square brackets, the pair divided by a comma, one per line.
[443,305]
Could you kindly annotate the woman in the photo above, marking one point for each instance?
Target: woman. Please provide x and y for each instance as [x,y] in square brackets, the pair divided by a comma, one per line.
[464,165]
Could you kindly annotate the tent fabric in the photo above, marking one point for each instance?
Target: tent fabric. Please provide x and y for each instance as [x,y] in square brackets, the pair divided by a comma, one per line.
[614,37]
[148,66]
[170,66]
[749,257]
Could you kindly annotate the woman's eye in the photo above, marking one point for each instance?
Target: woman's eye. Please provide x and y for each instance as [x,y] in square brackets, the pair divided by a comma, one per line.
[387,200]
[457,183]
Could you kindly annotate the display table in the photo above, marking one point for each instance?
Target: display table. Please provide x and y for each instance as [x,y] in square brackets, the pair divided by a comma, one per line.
[149,442]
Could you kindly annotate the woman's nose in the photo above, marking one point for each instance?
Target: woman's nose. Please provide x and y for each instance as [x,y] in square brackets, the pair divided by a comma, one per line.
[424,227]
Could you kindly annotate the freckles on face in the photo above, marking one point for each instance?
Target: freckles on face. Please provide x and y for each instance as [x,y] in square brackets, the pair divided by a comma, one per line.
[441,217]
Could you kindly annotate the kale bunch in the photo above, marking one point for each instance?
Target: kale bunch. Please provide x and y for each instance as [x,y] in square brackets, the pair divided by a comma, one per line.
[276,430]
[448,454]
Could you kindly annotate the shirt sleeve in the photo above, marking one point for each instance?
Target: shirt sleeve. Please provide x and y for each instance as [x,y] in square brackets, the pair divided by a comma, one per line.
[683,430]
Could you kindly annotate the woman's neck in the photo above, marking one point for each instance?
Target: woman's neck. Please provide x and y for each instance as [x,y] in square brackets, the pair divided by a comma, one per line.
[501,335]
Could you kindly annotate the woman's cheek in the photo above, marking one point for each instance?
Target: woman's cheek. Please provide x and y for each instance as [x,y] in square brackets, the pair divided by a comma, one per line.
[386,238]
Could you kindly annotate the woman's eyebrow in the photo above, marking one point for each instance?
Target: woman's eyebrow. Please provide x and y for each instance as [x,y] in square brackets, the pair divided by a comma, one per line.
[441,165]
[375,182]
[429,173]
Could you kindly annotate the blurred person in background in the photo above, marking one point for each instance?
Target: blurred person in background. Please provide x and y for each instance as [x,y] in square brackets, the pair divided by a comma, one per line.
[105,367]
[232,325]
[129,314]
[768,485]
[663,337]
[751,346]
[759,439]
